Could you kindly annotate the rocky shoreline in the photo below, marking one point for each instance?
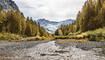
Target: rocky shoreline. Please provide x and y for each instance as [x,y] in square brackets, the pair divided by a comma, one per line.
[52,50]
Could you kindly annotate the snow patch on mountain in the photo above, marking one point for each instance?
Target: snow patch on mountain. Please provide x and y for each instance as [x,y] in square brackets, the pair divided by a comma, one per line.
[52,26]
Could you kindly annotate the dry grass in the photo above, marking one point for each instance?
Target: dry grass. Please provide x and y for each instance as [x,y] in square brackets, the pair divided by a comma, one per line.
[73,40]
[9,37]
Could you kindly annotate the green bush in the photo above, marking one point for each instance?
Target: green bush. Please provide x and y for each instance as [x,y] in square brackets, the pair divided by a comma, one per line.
[92,37]
[97,35]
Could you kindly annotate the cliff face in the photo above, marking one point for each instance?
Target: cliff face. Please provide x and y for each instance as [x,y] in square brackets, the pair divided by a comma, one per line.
[8,5]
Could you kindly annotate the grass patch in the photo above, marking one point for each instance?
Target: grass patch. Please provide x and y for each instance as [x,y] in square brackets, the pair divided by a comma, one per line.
[9,37]
[96,35]
[36,38]
[73,40]
[17,38]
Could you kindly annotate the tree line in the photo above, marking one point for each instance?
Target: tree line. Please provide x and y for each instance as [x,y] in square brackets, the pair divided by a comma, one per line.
[91,17]
[15,22]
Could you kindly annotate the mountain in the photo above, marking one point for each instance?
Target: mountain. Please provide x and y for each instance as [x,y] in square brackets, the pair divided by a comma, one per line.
[52,26]
[8,5]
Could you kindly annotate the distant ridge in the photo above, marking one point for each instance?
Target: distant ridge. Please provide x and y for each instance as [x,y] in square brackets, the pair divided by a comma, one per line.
[52,26]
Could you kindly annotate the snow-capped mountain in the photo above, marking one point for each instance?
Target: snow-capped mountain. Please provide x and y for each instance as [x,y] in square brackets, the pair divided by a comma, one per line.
[8,5]
[52,26]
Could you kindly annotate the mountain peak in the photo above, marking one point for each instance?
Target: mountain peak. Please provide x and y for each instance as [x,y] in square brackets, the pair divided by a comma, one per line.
[52,26]
[45,20]
[8,5]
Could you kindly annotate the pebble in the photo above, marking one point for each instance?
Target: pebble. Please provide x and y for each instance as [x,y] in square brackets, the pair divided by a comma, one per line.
[52,51]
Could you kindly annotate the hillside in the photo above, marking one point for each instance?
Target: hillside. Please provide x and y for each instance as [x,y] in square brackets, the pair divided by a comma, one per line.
[90,18]
[12,21]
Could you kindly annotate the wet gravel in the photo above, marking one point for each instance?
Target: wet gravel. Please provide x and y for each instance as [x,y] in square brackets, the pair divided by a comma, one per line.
[52,50]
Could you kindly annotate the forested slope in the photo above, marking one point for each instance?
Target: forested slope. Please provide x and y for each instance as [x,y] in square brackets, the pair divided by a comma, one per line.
[90,18]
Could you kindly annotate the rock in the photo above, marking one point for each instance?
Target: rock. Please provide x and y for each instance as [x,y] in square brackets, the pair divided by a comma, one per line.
[8,5]
[50,51]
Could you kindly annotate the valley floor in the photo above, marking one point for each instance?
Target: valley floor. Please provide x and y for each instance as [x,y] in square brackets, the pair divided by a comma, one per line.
[52,50]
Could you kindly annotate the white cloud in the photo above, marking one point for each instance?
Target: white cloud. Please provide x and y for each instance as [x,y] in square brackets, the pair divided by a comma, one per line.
[55,10]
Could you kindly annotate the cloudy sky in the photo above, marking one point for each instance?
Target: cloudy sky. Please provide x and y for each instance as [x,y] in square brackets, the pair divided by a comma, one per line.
[54,10]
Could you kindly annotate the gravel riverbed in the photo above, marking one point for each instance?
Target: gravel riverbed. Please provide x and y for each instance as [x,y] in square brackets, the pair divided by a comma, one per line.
[52,50]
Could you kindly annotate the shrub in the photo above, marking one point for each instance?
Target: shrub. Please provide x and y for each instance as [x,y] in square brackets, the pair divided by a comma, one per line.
[92,37]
